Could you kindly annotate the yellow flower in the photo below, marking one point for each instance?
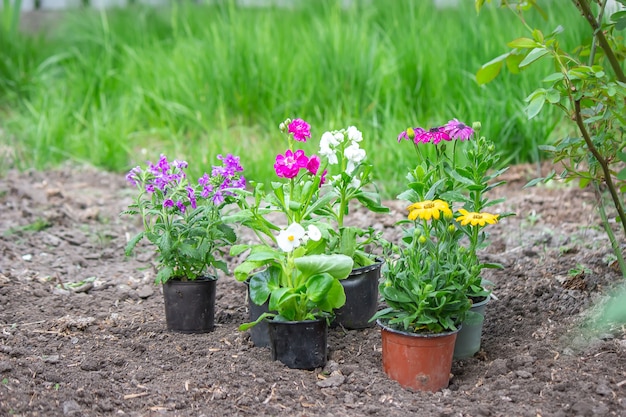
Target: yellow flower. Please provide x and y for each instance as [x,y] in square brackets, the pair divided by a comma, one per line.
[476,219]
[429,209]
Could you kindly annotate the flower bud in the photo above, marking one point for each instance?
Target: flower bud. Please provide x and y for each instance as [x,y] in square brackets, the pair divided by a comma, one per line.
[388,283]
[451,228]
[410,133]
[476,126]
[491,148]
[282,127]
[421,240]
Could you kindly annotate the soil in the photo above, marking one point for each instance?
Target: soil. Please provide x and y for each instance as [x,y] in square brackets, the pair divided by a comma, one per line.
[102,348]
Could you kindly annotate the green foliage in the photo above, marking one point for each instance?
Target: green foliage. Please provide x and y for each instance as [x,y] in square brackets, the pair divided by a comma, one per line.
[114,88]
[589,86]
[184,220]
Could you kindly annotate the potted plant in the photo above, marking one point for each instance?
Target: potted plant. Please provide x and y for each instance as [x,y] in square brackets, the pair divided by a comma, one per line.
[425,293]
[288,268]
[184,221]
[350,181]
[463,176]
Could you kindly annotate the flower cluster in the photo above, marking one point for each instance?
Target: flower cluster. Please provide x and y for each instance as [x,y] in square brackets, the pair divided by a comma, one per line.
[350,179]
[300,278]
[437,262]
[183,219]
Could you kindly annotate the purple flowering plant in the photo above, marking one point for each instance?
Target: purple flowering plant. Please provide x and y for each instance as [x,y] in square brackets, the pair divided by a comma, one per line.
[183,218]
[288,264]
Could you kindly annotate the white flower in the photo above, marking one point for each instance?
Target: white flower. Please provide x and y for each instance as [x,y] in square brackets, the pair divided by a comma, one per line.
[329,154]
[290,238]
[338,136]
[354,134]
[328,140]
[314,233]
[354,155]
[355,183]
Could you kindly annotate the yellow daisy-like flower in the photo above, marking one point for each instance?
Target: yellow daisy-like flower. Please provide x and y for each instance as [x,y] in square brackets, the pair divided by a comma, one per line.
[476,219]
[429,209]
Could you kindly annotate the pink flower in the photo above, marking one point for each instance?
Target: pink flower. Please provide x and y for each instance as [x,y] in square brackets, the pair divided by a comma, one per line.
[434,136]
[323,178]
[458,130]
[314,164]
[289,164]
[410,134]
[300,129]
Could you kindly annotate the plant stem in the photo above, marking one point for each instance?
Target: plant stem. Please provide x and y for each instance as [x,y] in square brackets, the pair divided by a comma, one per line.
[583,5]
[608,179]
[609,231]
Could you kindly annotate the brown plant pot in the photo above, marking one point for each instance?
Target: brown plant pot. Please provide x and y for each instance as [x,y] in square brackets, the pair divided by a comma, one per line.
[420,362]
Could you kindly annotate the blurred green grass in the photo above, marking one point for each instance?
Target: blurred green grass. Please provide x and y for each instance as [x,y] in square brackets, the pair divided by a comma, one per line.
[119,87]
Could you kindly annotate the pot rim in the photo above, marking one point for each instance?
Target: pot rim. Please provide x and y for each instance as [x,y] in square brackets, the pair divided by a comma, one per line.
[294,322]
[411,334]
[482,302]
[202,278]
[365,269]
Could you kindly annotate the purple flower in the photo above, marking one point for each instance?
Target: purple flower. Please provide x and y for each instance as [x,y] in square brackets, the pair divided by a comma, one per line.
[458,130]
[161,167]
[313,165]
[218,197]
[239,183]
[204,180]
[180,164]
[289,164]
[206,191]
[168,203]
[434,136]
[133,175]
[300,129]
[231,164]
[192,197]
[181,206]
[150,188]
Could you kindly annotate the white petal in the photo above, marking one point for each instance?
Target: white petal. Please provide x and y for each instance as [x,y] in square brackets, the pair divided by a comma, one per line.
[314,233]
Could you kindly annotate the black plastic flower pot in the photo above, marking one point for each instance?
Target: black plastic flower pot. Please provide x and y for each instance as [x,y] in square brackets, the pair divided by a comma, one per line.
[361,288]
[190,305]
[259,334]
[299,344]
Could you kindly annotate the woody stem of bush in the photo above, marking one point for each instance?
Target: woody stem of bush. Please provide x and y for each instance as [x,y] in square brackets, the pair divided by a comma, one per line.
[583,6]
[608,179]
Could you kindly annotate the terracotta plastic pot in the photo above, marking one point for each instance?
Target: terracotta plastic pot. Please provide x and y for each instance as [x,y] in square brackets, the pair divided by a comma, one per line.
[299,344]
[469,337]
[420,362]
[361,288]
[190,305]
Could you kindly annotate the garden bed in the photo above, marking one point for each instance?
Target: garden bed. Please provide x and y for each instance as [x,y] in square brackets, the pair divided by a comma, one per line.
[101,348]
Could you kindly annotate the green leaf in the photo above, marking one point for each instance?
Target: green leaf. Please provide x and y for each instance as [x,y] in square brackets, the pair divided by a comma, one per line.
[133,242]
[532,56]
[260,288]
[317,286]
[622,175]
[243,270]
[238,249]
[334,296]
[525,43]
[489,71]
[535,106]
[338,266]
[557,76]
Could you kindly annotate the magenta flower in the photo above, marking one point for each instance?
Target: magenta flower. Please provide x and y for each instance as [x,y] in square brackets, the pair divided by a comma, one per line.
[314,164]
[133,176]
[434,136]
[168,203]
[323,178]
[458,130]
[289,164]
[191,195]
[407,134]
[181,206]
[300,129]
